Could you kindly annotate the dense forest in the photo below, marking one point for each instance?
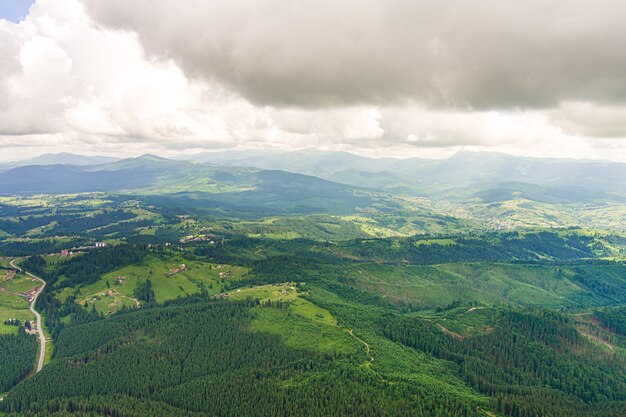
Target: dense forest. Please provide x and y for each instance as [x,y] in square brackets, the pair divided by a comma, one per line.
[526,356]
[194,356]
[17,358]
[613,319]
[163,355]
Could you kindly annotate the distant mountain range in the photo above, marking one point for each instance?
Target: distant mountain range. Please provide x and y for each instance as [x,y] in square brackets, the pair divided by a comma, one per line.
[58,159]
[295,179]
[232,189]
[459,176]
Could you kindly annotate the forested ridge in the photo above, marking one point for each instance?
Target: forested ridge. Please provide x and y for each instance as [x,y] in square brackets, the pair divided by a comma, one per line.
[505,246]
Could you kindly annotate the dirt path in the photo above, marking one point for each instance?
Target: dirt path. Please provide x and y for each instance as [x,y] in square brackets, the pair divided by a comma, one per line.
[364,343]
[597,339]
[42,337]
[450,332]
[474,309]
[489,413]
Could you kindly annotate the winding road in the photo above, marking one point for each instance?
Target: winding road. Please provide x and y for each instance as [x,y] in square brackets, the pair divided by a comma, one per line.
[42,336]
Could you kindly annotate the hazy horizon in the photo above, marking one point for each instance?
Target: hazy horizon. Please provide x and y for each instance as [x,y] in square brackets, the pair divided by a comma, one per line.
[383,79]
[190,156]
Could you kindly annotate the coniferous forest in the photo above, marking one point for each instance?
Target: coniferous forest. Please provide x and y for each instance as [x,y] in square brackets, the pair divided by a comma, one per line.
[18,356]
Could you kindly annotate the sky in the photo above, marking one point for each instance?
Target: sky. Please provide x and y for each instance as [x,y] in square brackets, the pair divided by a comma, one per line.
[381,78]
[14,10]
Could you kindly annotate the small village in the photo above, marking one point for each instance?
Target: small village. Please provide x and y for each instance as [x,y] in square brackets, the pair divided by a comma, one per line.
[65,253]
[29,295]
[198,238]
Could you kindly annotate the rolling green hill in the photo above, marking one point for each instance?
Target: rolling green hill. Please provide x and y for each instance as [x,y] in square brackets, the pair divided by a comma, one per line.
[236,191]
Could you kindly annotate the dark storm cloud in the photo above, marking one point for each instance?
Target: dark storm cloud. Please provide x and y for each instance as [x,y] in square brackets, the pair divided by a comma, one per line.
[478,54]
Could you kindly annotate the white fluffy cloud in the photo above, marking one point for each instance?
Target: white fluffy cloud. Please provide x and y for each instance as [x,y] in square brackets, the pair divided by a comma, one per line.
[400,78]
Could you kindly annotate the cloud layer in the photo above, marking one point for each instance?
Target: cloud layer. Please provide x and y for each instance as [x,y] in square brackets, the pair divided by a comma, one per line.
[384,78]
[478,54]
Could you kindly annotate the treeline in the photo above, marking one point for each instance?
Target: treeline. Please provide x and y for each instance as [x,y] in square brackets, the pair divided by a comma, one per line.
[271,257]
[17,358]
[9,210]
[487,248]
[533,363]
[64,224]
[30,247]
[23,224]
[124,228]
[70,225]
[231,250]
[144,292]
[54,311]
[606,281]
[318,227]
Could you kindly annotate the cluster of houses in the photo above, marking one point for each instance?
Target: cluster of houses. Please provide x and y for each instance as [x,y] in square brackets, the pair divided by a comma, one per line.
[225,275]
[97,245]
[181,268]
[198,238]
[108,293]
[9,275]
[64,253]
[30,327]
[30,294]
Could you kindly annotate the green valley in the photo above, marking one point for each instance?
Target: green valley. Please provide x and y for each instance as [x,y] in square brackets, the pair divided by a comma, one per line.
[266,293]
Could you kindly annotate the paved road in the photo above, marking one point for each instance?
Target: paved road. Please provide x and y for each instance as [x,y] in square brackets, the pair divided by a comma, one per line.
[42,337]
